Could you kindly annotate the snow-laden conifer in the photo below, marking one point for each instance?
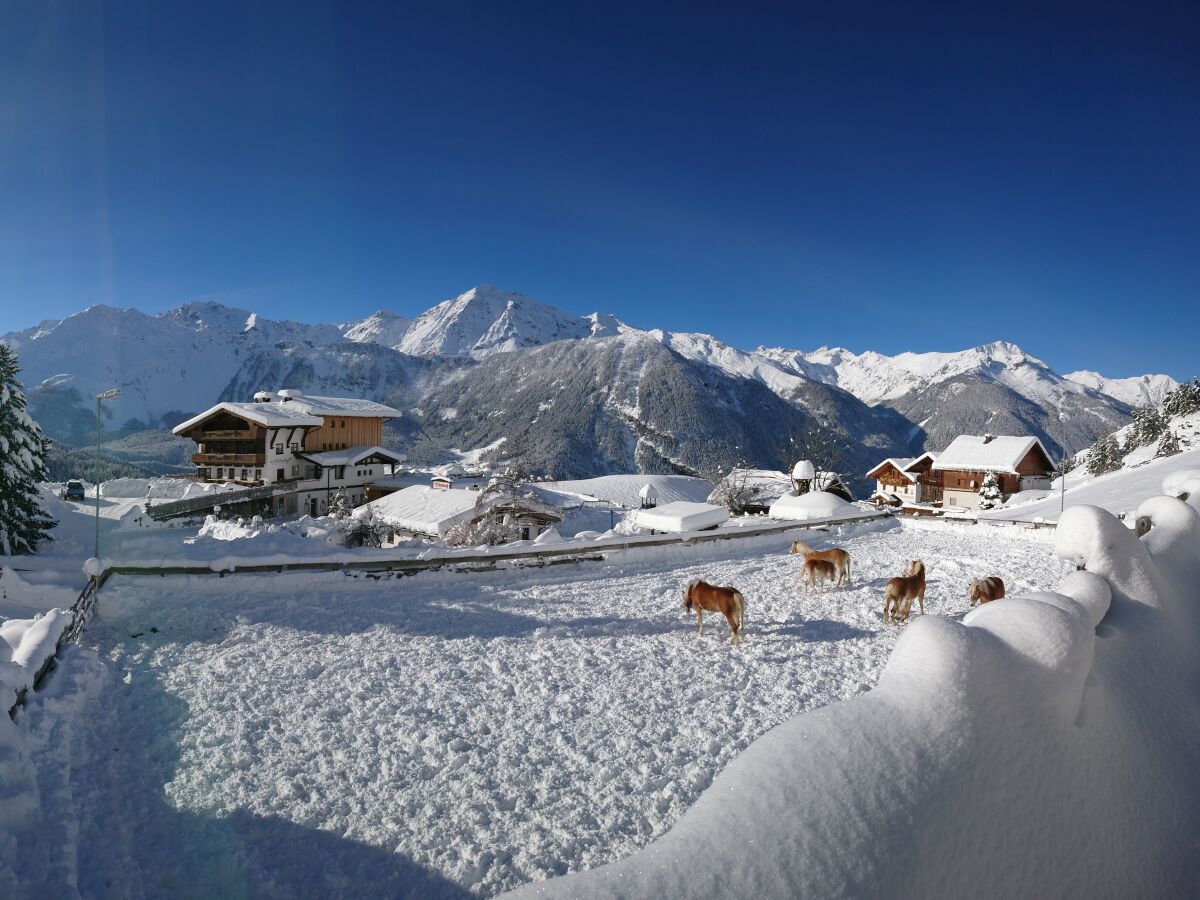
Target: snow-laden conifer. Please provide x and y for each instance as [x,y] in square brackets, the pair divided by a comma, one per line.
[23,521]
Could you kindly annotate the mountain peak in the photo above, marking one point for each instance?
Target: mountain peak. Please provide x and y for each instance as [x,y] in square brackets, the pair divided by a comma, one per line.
[486,320]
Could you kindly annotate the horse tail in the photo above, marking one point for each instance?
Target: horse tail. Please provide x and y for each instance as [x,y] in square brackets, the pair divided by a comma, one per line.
[739,609]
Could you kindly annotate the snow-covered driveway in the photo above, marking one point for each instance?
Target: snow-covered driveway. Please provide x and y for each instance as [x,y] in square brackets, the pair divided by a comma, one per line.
[324,735]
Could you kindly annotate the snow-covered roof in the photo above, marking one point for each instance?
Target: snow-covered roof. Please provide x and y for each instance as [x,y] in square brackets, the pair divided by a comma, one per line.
[813,505]
[271,415]
[624,489]
[352,456]
[425,510]
[682,516]
[976,453]
[913,463]
[341,406]
[298,410]
[900,462]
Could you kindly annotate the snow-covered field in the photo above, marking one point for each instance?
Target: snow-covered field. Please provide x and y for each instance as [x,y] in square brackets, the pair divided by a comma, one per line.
[433,735]
[1118,492]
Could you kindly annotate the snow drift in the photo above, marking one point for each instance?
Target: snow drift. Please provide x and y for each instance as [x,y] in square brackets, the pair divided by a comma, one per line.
[1023,752]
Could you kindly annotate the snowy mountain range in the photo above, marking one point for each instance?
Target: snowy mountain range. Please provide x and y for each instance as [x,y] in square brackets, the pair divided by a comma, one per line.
[491,364]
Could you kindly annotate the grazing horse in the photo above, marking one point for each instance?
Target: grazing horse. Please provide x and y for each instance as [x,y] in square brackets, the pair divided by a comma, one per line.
[898,596]
[985,590]
[818,570]
[838,557]
[725,600]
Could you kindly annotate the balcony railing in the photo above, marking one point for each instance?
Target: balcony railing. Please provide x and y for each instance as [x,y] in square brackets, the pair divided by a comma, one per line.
[229,459]
[244,434]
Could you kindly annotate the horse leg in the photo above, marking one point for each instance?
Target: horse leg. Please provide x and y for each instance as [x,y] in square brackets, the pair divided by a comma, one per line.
[734,639]
[887,602]
[921,599]
[700,618]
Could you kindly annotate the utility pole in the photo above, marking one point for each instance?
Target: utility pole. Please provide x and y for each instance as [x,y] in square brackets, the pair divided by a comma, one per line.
[107,395]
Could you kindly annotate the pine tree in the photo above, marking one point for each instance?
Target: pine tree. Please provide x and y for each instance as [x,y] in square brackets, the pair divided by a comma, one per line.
[989,492]
[1168,445]
[340,507]
[1148,425]
[1104,456]
[23,521]
[1183,400]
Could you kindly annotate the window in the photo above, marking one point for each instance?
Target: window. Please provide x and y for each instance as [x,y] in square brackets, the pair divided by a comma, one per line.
[258,474]
[203,473]
[295,471]
[279,475]
[245,474]
[279,449]
[293,447]
[340,472]
[342,424]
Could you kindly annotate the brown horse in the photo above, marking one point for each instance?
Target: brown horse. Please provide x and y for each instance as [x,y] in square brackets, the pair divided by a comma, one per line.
[838,557]
[818,570]
[898,597]
[725,600]
[985,590]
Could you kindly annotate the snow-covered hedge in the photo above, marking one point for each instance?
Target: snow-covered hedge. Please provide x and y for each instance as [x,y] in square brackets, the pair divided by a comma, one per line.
[25,646]
[1021,752]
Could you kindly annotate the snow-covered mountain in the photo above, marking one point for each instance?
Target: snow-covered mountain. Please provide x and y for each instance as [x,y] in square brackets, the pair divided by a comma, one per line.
[184,360]
[486,320]
[875,378]
[634,400]
[1140,390]
[385,328]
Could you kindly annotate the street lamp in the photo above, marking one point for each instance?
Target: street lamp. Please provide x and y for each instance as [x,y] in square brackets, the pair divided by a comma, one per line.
[107,395]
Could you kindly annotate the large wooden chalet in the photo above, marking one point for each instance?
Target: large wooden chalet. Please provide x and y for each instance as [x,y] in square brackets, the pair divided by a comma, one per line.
[315,445]
[1018,464]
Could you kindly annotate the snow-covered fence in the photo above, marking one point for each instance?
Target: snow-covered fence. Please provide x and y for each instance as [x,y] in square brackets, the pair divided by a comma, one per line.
[173,509]
[1044,746]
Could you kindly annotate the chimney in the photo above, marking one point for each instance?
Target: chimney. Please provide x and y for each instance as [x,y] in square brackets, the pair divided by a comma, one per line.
[987,438]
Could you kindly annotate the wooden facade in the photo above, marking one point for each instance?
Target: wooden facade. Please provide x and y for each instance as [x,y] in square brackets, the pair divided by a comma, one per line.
[340,432]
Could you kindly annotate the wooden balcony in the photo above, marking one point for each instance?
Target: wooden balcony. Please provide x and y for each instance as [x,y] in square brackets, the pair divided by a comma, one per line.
[230,459]
[247,434]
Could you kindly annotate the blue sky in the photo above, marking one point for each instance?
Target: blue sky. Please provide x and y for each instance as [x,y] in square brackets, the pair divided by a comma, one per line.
[798,175]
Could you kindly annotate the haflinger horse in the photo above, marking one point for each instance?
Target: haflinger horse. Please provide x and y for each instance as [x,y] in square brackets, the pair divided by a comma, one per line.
[818,571]
[900,592]
[985,590]
[725,600]
[838,557]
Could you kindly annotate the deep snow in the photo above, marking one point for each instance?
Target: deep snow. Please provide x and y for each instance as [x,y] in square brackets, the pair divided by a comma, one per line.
[332,735]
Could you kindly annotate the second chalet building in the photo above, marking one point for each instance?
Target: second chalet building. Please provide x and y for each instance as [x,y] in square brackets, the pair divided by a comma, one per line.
[311,447]
[954,477]
[1018,464]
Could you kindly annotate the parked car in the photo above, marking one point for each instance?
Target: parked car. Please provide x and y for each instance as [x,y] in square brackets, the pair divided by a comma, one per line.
[73,491]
